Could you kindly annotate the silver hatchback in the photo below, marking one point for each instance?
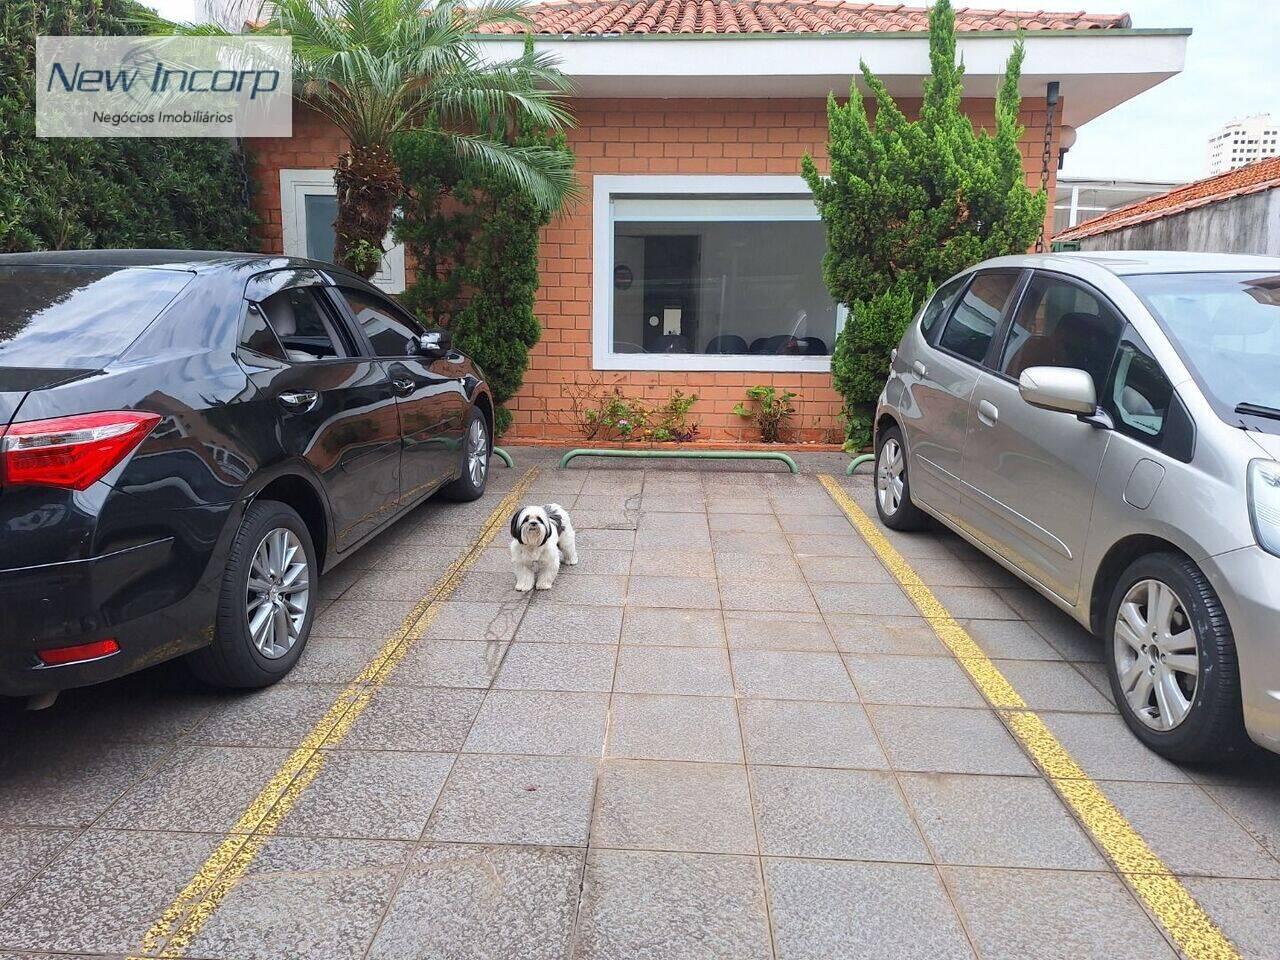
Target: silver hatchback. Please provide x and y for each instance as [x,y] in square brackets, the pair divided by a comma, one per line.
[1107,427]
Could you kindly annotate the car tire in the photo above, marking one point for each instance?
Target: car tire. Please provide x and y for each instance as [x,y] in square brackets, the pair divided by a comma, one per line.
[235,659]
[473,468]
[893,486]
[1212,726]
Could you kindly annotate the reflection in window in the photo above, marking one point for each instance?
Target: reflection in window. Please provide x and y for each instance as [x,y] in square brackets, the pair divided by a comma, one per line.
[971,327]
[321,212]
[721,287]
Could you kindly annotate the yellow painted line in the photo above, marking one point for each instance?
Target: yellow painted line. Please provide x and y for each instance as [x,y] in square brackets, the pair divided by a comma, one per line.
[1169,901]
[173,932]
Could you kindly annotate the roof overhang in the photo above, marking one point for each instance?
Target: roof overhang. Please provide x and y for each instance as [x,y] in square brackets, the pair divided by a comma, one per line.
[1096,69]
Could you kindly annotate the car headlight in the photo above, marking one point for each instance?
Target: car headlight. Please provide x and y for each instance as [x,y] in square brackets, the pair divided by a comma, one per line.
[1264,503]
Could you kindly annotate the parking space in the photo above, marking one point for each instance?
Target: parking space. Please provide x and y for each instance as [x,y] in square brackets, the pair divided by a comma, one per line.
[727,733]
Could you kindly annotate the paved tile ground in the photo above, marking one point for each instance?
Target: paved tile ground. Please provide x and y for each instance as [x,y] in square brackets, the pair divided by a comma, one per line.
[724,735]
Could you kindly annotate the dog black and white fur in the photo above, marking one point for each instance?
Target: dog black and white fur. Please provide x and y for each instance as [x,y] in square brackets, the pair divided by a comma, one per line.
[541,539]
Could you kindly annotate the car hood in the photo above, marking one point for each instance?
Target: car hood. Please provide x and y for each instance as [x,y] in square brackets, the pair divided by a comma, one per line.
[1269,442]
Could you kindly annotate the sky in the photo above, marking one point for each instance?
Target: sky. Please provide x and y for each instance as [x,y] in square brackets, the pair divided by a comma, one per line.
[1163,133]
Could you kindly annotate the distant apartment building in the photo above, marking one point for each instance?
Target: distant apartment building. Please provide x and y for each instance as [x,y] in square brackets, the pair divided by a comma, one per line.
[1081,198]
[1244,141]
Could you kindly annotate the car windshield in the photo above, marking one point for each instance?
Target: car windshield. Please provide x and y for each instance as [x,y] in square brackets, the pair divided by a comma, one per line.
[78,317]
[1226,327]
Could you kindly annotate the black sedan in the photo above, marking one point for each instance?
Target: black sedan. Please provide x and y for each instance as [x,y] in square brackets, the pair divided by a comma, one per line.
[188,440]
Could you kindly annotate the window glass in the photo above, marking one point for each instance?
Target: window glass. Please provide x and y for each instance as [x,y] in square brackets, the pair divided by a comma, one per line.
[390,332]
[938,304]
[721,286]
[321,212]
[78,317]
[299,320]
[976,317]
[257,335]
[1061,324]
[1140,392]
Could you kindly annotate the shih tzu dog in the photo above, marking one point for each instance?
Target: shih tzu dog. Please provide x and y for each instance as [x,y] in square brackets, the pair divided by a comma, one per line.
[541,538]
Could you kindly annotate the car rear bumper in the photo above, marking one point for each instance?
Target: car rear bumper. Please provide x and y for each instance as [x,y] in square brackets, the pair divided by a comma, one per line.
[1248,583]
[157,600]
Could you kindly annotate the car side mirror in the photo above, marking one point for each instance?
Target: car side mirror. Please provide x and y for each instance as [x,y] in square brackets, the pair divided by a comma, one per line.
[434,343]
[1063,389]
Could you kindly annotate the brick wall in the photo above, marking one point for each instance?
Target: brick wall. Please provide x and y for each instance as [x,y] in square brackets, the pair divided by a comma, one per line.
[643,136]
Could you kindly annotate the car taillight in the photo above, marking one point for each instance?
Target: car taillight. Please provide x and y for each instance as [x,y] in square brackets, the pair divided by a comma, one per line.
[72,452]
[61,656]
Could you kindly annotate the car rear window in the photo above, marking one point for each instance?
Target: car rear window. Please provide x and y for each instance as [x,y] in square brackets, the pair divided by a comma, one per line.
[78,317]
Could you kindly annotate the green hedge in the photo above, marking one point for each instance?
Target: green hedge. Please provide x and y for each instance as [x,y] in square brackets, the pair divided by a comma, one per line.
[127,192]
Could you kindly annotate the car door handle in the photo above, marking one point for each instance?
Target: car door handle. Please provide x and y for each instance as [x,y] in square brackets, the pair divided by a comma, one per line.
[988,412]
[300,400]
[921,370]
[402,386]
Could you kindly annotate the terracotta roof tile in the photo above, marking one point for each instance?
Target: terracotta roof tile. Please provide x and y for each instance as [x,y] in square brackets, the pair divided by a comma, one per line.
[599,17]
[1263,175]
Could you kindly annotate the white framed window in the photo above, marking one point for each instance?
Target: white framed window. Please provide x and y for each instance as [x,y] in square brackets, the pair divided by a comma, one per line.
[709,273]
[308,207]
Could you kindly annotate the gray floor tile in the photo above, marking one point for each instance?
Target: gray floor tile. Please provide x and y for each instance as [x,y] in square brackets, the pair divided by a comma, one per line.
[197,789]
[976,603]
[569,623]
[323,898]
[469,902]
[24,852]
[450,663]
[156,706]
[694,538]
[1047,685]
[278,716]
[833,911]
[884,599]
[652,805]
[730,504]
[480,586]
[606,540]
[1256,807]
[998,822]
[791,675]
[801,733]
[673,503]
[596,591]
[1106,750]
[922,681]
[973,572]
[102,893]
[947,740]
[415,718]
[370,795]
[675,525]
[696,593]
[738,541]
[658,727]
[775,596]
[678,670]
[361,618]
[336,660]
[538,800]
[820,569]
[581,667]
[761,523]
[1216,846]
[762,630]
[1053,915]
[672,906]
[469,620]
[656,626]
[672,563]
[540,722]
[831,545]
[1072,641]
[1009,640]
[868,633]
[412,583]
[596,563]
[1027,603]
[833,814]
[1248,911]
[754,566]
[45,782]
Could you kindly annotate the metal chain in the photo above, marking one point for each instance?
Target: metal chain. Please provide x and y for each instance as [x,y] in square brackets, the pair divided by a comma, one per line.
[1044,166]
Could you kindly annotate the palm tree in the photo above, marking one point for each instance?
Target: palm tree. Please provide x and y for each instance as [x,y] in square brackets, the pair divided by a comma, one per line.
[377,67]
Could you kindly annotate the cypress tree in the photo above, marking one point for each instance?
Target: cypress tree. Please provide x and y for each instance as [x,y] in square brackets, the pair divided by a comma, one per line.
[908,203]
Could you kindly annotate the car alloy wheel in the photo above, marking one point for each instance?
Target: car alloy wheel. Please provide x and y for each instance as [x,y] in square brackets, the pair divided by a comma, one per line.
[278,593]
[1157,655]
[890,472]
[477,452]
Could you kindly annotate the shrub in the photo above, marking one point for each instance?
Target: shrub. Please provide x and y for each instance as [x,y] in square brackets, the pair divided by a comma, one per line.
[771,411]
[121,192]
[909,203]
[474,237]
